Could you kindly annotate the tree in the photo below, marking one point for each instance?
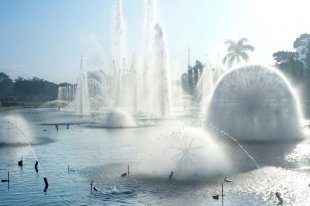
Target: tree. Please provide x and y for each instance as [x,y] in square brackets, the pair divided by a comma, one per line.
[237,51]
[5,86]
[35,89]
[289,63]
[302,47]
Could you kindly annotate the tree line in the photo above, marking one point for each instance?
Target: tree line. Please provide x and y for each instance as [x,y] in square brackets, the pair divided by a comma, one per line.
[26,90]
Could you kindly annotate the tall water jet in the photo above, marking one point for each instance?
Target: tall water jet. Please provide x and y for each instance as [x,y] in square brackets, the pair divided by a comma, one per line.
[119,34]
[255,103]
[157,83]
[81,96]
[205,84]
[120,52]
[161,81]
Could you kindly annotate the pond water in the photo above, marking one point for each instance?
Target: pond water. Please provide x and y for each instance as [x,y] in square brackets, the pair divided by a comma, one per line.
[101,155]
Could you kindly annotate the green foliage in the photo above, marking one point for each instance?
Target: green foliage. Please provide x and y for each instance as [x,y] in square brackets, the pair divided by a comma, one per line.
[296,64]
[21,89]
[35,89]
[288,63]
[5,86]
[237,51]
[300,41]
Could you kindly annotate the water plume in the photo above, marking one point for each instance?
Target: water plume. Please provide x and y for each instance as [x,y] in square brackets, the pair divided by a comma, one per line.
[255,103]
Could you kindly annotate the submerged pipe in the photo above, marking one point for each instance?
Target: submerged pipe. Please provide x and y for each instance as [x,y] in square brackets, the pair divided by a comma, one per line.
[46,184]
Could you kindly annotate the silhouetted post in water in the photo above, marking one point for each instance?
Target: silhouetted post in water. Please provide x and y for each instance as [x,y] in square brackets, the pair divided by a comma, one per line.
[279,198]
[46,184]
[36,166]
[171,175]
[128,170]
[222,191]
[91,185]
[68,126]
[56,127]
[20,163]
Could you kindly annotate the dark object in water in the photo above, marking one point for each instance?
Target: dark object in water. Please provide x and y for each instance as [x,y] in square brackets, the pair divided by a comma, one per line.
[46,184]
[279,198]
[91,186]
[227,180]
[124,174]
[222,190]
[128,170]
[171,175]
[96,188]
[20,163]
[36,166]
[8,180]
[68,126]
[70,170]
[216,197]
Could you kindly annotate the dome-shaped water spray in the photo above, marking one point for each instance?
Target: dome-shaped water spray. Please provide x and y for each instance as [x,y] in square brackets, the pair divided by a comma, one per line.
[255,103]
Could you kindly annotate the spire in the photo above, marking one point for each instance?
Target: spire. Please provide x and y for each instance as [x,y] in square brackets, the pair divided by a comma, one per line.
[189,56]
[81,64]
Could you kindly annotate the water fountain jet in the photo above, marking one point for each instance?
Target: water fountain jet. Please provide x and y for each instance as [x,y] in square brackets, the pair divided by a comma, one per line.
[255,103]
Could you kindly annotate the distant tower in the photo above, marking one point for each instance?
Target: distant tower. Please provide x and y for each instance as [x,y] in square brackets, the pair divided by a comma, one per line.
[189,56]
[81,64]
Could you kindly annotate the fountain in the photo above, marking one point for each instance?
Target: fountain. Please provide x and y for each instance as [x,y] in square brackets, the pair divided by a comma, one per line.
[255,103]
[81,97]
[194,152]
[157,82]
[186,153]
[118,118]
[14,129]
[145,90]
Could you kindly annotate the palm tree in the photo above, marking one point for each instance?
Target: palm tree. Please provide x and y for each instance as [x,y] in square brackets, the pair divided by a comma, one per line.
[236,51]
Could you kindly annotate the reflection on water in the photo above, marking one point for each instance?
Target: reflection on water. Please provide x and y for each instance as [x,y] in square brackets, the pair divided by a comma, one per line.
[102,155]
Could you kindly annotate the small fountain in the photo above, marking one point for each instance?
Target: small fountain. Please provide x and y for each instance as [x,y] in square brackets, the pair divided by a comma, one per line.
[255,103]
[195,152]
[186,153]
[11,127]
[118,118]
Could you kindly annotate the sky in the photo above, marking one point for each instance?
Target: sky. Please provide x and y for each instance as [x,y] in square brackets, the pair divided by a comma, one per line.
[45,38]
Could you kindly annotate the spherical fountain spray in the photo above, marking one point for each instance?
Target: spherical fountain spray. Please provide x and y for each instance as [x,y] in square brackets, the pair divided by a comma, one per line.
[255,103]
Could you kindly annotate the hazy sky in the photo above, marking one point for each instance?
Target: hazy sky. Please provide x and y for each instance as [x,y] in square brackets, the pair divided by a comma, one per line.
[45,38]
